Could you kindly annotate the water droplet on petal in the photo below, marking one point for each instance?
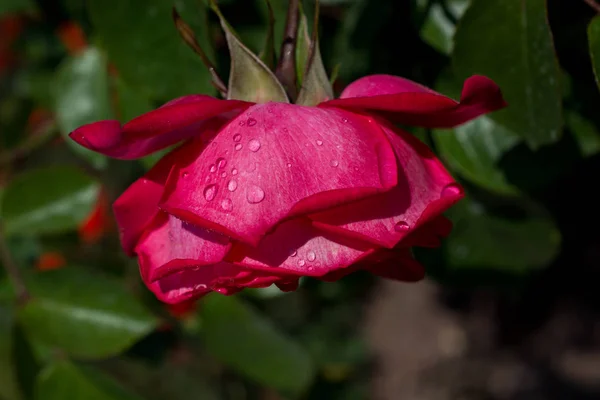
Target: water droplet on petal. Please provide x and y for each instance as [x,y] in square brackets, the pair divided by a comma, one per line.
[238,146]
[311,256]
[401,226]
[334,163]
[293,253]
[221,162]
[242,123]
[226,205]
[207,179]
[213,168]
[289,165]
[310,269]
[210,192]
[223,174]
[319,143]
[254,145]
[301,263]
[254,194]
[356,168]
[234,171]
[232,185]
[452,190]
[201,286]
[251,122]
[237,137]
[185,175]
[344,119]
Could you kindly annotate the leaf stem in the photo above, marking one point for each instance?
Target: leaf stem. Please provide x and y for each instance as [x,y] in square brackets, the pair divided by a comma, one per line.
[594,5]
[12,270]
[286,67]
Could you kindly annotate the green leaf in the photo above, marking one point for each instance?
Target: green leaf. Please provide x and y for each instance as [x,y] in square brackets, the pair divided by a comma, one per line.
[131,103]
[593,32]
[438,29]
[8,379]
[14,6]
[482,240]
[64,380]
[142,42]
[84,314]
[26,364]
[81,97]
[49,200]
[315,84]
[267,55]
[242,339]
[249,78]
[511,42]
[585,133]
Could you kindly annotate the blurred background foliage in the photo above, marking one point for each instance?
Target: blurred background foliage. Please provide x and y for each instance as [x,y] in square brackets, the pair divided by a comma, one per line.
[518,275]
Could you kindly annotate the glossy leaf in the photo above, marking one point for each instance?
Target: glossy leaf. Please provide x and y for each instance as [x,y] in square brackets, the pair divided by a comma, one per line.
[84,314]
[49,200]
[482,240]
[63,380]
[511,42]
[594,46]
[145,48]
[315,85]
[244,340]
[249,78]
[585,133]
[438,29]
[82,96]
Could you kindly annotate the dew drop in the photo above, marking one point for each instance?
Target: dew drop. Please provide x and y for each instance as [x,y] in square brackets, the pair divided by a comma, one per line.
[254,194]
[319,143]
[234,171]
[356,169]
[237,137]
[334,163]
[293,253]
[401,226]
[226,205]
[310,269]
[311,256]
[185,175]
[207,179]
[210,192]
[213,168]
[451,190]
[301,263]
[223,174]
[201,286]
[238,146]
[251,122]
[242,123]
[221,162]
[344,119]
[289,165]
[254,145]
[232,185]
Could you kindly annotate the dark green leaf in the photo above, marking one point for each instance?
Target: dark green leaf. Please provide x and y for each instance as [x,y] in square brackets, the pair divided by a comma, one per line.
[594,46]
[50,200]
[511,42]
[483,240]
[27,367]
[144,45]
[585,133]
[13,6]
[84,314]
[315,84]
[241,338]
[64,380]
[81,97]
[8,380]
[131,103]
[438,29]
[249,78]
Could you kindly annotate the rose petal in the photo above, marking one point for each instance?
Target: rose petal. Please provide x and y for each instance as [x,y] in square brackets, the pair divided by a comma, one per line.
[425,190]
[276,161]
[406,102]
[296,247]
[398,265]
[178,120]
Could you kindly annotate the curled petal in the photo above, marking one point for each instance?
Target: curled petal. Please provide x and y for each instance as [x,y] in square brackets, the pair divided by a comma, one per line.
[424,191]
[396,264]
[277,161]
[175,121]
[296,247]
[407,102]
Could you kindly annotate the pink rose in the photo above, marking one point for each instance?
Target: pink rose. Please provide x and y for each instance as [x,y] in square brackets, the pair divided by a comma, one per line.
[267,193]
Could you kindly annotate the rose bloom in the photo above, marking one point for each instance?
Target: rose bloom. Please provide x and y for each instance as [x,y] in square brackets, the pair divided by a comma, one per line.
[261,194]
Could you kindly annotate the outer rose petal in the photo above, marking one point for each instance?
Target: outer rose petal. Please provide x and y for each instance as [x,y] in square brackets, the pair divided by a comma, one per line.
[175,121]
[406,102]
[138,205]
[424,191]
[276,161]
[296,247]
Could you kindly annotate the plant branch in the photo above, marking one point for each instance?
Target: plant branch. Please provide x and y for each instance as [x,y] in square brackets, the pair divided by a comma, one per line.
[12,270]
[286,67]
[33,142]
[594,5]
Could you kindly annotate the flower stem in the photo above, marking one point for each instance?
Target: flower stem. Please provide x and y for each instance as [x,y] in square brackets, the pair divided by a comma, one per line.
[286,67]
